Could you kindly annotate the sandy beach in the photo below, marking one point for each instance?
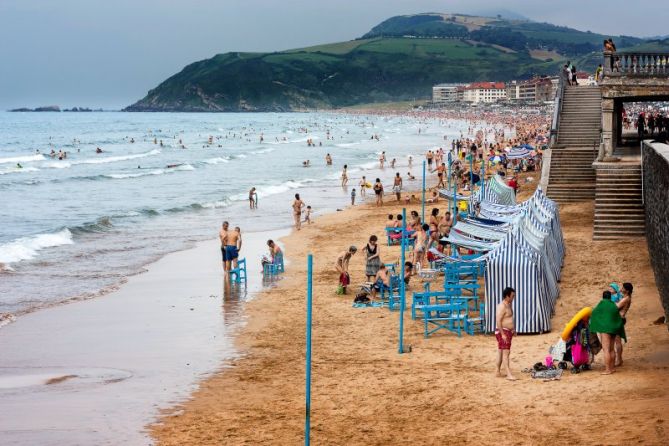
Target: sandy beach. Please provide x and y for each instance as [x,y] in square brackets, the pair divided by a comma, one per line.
[445,390]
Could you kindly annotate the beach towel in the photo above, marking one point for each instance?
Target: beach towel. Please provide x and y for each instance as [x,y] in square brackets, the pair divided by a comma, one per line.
[367,305]
[606,319]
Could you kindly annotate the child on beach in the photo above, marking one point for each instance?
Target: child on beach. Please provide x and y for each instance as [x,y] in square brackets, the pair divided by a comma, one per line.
[307,215]
[353,197]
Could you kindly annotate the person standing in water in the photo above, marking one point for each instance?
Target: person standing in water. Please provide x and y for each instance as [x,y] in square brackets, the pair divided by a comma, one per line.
[363,186]
[297,205]
[222,235]
[505,331]
[253,202]
[344,176]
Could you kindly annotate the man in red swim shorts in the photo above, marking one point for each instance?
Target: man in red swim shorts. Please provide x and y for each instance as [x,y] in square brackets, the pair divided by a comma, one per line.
[505,331]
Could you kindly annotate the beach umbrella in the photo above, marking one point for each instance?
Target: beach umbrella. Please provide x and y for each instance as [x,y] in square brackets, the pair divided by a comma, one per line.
[518,153]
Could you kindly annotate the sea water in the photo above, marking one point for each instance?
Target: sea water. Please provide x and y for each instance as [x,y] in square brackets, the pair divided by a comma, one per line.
[75,228]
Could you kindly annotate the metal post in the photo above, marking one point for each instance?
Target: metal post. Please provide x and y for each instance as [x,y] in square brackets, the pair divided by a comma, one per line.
[307,414]
[450,160]
[423,202]
[402,289]
[471,182]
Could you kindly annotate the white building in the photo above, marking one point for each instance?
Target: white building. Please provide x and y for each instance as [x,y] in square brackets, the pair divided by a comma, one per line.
[486,92]
[443,93]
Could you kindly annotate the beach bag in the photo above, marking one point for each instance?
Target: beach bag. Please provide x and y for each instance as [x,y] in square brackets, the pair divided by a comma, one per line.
[340,289]
[579,355]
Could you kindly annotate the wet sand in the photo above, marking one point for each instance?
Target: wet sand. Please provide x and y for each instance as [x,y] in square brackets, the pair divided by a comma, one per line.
[97,371]
[444,391]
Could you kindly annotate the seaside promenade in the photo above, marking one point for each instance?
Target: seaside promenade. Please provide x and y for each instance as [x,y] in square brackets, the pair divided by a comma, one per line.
[444,391]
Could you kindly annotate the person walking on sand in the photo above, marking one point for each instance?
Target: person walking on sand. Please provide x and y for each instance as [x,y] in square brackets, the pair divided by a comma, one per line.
[253,203]
[606,321]
[298,204]
[378,190]
[623,307]
[505,331]
[342,267]
[397,186]
[344,176]
[222,235]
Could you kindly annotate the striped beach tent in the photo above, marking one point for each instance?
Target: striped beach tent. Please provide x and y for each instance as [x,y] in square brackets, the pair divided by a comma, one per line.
[512,264]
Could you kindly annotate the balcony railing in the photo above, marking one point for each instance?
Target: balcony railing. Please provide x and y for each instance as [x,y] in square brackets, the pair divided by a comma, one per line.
[636,64]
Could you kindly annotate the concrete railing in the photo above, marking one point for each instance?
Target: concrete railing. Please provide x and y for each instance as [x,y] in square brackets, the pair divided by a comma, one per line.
[655,164]
[636,64]
[557,109]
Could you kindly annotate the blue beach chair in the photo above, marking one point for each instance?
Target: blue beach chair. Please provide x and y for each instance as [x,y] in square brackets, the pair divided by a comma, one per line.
[238,274]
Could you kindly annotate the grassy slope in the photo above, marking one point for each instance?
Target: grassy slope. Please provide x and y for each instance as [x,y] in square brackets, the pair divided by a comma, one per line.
[343,74]
[367,70]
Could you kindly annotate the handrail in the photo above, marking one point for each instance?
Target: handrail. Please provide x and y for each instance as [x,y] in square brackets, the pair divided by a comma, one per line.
[636,63]
[557,110]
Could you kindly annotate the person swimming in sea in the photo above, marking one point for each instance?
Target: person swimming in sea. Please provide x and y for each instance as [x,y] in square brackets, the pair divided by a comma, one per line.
[19,166]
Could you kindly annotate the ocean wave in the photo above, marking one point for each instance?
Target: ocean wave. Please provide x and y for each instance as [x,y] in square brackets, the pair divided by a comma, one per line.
[260,152]
[57,165]
[22,159]
[217,160]
[102,224]
[199,206]
[113,159]
[265,191]
[121,176]
[21,170]
[26,248]
[347,144]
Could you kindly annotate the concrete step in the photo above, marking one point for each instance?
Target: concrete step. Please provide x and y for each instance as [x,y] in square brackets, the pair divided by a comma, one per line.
[639,218]
[612,224]
[617,237]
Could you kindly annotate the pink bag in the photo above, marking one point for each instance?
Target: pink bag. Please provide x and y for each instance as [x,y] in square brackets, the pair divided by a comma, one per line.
[579,355]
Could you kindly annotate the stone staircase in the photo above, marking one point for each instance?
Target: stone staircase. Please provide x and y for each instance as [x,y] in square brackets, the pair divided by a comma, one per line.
[572,177]
[580,117]
[619,211]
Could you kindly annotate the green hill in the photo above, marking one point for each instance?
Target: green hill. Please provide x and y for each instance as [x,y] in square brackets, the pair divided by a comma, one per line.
[400,59]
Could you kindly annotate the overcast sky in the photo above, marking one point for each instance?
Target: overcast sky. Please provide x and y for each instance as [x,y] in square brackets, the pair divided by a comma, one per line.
[110,53]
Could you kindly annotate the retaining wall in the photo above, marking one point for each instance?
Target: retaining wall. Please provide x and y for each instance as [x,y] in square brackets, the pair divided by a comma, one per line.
[656,203]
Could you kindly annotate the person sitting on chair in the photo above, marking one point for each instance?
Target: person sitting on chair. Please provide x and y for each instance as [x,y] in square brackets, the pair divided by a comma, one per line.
[381,280]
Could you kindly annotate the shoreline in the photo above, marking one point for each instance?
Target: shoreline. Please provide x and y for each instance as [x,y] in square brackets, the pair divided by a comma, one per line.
[70,369]
[362,387]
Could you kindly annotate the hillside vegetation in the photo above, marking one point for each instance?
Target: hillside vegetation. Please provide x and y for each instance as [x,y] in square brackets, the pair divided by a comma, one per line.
[400,59]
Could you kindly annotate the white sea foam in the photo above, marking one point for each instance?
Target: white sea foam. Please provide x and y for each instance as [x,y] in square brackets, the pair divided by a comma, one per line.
[26,248]
[22,159]
[21,170]
[121,176]
[217,160]
[347,144]
[113,159]
[215,204]
[260,152]
[58,165]
[184,167]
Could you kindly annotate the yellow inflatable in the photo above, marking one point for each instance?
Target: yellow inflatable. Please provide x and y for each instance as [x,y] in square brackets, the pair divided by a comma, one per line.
[583,314]
[462,205]
[368,185]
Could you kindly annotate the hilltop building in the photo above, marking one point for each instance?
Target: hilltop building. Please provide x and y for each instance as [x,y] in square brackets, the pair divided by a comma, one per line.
[486,92]
[445,93]
[538,89]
